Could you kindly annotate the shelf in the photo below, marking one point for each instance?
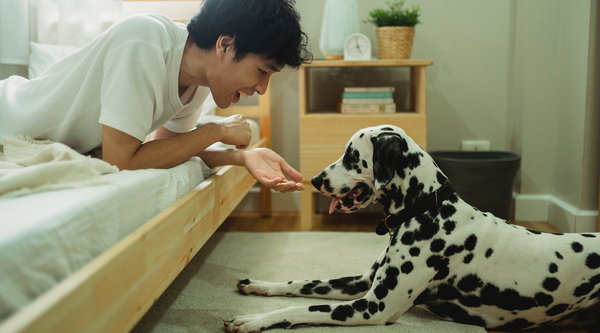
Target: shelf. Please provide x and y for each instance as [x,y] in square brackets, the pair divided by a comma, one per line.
[371,63]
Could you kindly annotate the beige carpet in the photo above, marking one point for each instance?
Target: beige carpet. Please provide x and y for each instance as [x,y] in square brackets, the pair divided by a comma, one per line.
[205,292]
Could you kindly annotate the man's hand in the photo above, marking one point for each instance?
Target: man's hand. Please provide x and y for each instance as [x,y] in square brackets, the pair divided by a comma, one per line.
[236,131]
[268,168]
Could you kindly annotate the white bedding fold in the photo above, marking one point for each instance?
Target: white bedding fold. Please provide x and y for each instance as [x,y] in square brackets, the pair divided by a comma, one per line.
[32,166]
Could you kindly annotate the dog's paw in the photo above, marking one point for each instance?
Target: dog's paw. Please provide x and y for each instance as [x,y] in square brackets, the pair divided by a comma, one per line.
[252,323]
[255,287]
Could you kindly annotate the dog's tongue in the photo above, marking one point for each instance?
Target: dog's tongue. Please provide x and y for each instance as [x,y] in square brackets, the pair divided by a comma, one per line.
[334,203]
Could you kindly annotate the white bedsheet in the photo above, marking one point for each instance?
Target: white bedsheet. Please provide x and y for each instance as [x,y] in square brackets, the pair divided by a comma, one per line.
[45,237]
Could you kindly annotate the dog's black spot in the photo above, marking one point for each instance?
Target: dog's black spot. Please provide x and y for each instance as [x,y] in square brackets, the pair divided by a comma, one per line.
[387,129]
[437,245]
[342,312]
[593,261]
[583,289]
[374,268]
[457,313]
[490,294]
[558,255]
[323,290]
[471,242]
[588,235]
[511,300]
[577,247]
[245,282]
[407,267]
[447,211]
[453,249]
[391,278]
[408,238]
[441,178]
[366,316]
[372,308]
[414,192]
[360,305]
[469,283]
[365,164]
[344,190]
[447,292]
[557,309]
[319,308]
[468,258]
[381,291]
[436,262]
[551,284]
[543,299]
[281,324]
[488,253]
[351,158]
[381,306]
[515,325]
[553,268]
[414,251]
[307,289]
[534,231]
[327,185]
[449,226]
[471,301]
[427,229]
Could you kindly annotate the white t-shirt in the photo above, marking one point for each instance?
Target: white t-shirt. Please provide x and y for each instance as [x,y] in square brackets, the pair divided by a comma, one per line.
[127,79]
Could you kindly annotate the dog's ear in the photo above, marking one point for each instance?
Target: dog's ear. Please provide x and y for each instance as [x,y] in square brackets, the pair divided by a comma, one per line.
[388,150]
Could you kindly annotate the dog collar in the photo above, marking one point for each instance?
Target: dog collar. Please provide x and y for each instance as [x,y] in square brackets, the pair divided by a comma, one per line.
[392,222]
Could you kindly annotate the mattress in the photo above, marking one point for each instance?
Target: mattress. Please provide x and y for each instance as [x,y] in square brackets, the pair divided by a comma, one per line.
[47,236]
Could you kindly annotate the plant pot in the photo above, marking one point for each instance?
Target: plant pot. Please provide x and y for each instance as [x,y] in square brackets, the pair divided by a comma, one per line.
[395,42]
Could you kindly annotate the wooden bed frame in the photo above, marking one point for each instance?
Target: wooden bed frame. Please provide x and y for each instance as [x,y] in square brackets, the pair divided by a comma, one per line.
[112,292]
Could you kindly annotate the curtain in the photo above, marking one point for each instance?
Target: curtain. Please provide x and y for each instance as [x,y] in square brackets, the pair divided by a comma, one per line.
[59,22]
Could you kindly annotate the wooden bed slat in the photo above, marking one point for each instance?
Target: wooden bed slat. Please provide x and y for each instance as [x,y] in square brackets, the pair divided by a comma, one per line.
[112,292]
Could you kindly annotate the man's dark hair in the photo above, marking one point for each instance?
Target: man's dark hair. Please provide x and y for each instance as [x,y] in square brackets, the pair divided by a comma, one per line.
[269,28]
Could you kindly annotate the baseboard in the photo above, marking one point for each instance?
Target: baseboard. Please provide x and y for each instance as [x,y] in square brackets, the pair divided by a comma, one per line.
[281,202]
[564,216]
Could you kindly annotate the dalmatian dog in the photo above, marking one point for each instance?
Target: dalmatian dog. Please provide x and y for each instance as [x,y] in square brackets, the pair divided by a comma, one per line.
[460,263]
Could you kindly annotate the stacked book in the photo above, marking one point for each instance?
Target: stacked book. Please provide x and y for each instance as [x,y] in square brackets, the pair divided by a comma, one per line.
[367,100]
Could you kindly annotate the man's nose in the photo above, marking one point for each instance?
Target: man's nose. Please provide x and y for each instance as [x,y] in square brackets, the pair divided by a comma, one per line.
[263,85]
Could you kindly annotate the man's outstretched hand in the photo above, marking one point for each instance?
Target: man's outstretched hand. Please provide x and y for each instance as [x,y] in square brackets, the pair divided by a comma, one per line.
[268,168]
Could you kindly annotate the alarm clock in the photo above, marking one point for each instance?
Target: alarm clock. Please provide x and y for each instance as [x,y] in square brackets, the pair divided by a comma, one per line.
[357,47]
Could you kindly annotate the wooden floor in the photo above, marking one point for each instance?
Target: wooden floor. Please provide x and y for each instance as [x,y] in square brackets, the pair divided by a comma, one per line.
[344,222]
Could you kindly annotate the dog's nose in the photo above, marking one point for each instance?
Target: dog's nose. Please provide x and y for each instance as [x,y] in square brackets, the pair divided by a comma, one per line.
[317,181]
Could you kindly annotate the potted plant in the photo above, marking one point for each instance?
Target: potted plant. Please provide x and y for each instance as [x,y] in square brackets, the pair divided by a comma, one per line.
[395,29]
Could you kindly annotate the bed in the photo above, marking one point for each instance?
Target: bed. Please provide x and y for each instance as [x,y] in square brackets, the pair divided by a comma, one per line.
[143,235]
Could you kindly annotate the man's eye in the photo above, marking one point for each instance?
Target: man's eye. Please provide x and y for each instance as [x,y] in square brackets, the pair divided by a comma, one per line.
[262,72]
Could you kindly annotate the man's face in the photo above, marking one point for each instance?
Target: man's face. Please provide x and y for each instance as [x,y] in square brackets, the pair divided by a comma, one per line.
[243,77]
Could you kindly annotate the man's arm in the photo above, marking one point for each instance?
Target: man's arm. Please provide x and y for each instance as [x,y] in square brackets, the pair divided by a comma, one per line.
[167,150]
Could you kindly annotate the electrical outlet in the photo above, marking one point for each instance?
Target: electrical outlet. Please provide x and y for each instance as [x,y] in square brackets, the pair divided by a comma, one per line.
[476,145]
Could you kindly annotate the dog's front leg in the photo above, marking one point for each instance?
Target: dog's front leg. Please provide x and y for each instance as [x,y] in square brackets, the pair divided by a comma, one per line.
[346,288]
[369,310]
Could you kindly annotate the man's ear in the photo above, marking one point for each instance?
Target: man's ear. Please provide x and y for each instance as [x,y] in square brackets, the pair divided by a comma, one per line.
[224,45]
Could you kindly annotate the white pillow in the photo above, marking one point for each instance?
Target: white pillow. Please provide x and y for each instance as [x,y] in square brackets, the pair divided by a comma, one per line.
[45,55]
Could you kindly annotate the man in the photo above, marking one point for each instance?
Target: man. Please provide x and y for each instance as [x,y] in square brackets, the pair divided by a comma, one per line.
[147,73]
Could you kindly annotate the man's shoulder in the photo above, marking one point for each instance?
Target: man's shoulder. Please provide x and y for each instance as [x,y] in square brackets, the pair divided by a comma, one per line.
[156,29]
[142,22]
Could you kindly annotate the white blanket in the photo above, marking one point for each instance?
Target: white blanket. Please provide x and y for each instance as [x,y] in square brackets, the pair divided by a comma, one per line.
[31,166]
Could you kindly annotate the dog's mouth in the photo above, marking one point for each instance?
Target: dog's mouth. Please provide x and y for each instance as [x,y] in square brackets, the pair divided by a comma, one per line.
[348,201]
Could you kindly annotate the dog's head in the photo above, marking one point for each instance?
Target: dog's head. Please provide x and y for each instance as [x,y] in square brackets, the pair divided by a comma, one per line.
[382,164]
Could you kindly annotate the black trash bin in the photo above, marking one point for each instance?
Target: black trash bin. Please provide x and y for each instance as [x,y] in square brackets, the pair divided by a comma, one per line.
[482,178]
